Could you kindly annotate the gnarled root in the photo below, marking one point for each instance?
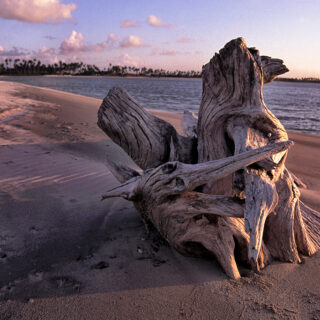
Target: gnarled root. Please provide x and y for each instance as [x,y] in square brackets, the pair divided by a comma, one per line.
[247,206]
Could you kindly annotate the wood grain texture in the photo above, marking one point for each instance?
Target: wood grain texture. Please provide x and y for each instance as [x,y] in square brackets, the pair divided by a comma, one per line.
[148,140]
[165,198]
[224,189]
[189,123]
[233,112]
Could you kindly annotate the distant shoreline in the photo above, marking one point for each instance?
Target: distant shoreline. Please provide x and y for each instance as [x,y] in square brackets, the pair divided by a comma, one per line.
[98,76]
[306,80]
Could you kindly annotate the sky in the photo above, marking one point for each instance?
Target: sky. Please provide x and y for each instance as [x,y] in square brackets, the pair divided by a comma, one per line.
[168,34]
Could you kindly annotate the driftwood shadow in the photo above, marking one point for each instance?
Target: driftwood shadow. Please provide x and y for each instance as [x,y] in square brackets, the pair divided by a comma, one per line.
[58,238]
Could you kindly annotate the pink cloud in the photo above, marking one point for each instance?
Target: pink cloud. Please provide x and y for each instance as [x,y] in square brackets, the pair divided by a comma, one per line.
[73,44]
[45,55]
[129,24]
[45,52]
[165,52]
[132,42]
[98,47]
[36,11]
[112,38]
[184,40]
[128,60]
[14,52]
[155,21]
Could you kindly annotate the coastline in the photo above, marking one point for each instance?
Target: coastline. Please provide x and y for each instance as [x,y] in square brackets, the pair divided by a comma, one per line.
[185,94]
[281,79]
[55,231]
[100,76]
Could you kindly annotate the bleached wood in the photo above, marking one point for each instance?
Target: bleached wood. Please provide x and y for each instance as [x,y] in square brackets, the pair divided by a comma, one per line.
[236,116]
[246,200]
[145,138]
[120,171]
[261,200]
[287,225]
[164,196]
[174,178]
[233,112]
[310,221]
[189,124]
[299,183]
[272,68]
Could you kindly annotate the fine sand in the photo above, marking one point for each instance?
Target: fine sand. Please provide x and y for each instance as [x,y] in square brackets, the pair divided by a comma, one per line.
[64,254]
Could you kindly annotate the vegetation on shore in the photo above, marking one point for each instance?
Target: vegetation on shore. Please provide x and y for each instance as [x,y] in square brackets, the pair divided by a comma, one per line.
[309,79]
[34,67]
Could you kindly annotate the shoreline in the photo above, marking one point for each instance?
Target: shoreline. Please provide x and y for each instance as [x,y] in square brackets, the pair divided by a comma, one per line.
[157,111]
[131,76]
[100,76]
[63,125]
[64,254]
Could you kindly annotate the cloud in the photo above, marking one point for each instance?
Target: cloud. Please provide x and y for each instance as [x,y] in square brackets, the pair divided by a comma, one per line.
[44,52]
[184,40]
[165,52]
[108,44]
[155,21]
[112,38]
[129,24]
[125,59]
[156,51]
[73,44]
[98,47]
[49,37]
[45,55]
[36,11]
[14,52]
[132,42]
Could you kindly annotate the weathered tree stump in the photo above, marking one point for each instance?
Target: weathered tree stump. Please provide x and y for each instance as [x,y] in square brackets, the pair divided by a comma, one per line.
[223,189]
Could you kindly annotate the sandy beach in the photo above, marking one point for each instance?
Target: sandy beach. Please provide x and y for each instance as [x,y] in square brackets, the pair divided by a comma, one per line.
[64,254]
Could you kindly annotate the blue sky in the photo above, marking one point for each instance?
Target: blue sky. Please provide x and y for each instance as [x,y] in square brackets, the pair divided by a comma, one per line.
[165,34]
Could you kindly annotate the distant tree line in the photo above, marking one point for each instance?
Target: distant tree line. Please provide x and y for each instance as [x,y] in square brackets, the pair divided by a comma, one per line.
[22,67]
[309,79]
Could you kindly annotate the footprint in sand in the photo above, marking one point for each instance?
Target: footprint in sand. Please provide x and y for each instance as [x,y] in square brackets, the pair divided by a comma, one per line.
[66,282]
[100,265]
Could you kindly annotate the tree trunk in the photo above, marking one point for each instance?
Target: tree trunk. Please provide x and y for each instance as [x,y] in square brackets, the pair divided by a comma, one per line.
[239,195]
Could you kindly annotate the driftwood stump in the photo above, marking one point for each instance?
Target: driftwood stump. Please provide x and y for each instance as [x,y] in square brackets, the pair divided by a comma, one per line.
[223,189]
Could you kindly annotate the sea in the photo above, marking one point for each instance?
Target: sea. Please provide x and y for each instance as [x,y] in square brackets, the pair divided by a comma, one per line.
[296,104]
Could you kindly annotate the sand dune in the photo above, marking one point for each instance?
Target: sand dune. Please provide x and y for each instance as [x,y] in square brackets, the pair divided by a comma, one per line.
[66,255]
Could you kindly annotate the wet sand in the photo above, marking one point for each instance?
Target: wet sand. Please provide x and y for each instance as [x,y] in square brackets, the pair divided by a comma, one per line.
[64,254]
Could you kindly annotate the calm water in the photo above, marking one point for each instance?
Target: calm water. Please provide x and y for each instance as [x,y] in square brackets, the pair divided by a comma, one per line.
[297,105]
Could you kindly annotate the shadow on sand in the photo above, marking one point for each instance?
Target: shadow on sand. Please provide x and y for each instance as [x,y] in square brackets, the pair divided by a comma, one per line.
[58,238]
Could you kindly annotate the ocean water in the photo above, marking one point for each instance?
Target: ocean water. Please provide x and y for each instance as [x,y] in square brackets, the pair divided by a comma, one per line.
[297,105]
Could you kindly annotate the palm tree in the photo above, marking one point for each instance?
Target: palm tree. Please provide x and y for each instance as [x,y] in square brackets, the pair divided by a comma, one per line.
[16,66]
